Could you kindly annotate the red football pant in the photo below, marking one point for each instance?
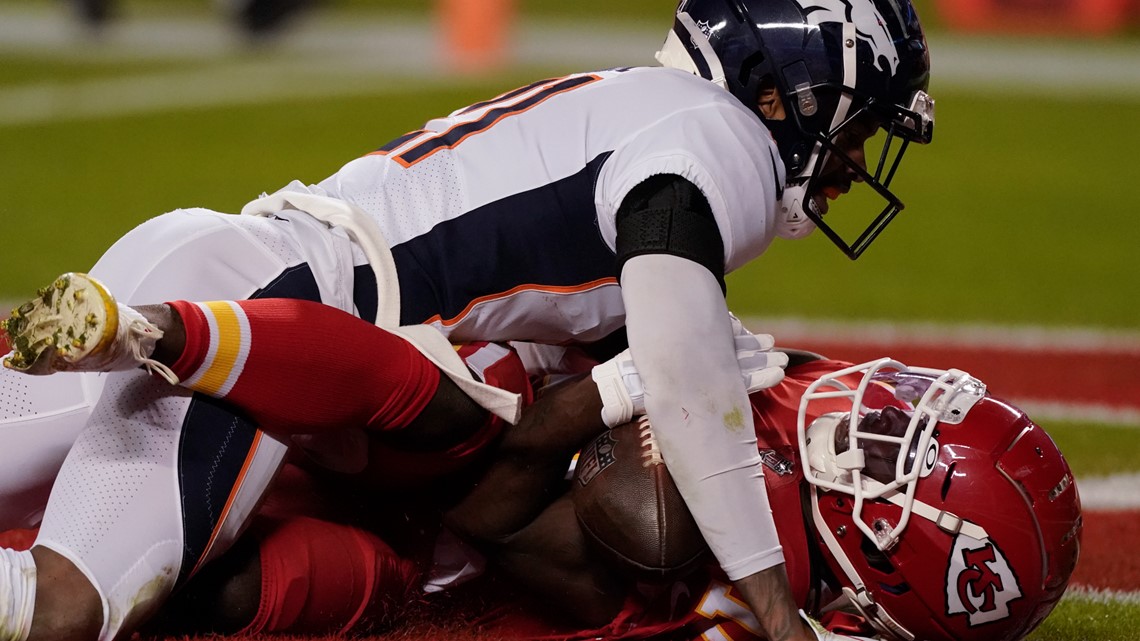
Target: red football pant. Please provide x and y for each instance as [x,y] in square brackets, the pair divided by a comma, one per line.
[319,577]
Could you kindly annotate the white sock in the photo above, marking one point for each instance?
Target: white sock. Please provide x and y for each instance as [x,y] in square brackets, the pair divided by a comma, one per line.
[17,594]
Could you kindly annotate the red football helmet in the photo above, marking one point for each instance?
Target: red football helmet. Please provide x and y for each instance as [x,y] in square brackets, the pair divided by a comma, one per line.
[943,512]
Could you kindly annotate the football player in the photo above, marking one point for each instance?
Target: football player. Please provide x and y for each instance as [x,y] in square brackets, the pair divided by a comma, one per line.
[561,212]
[909,496]
[889,532]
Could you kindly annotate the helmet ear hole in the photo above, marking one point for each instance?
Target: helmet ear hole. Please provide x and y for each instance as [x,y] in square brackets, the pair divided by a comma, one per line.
[949,477]
[748,65]
[875,557]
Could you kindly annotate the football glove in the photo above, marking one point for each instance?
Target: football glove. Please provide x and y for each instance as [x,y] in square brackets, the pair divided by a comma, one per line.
[623,393]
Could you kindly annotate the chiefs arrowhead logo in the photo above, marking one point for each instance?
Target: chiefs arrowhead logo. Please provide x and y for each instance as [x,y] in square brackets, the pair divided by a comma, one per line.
[979,582]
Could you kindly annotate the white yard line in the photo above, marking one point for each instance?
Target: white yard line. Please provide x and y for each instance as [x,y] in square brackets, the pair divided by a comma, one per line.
[1017,337]
[1093,595]
[1079,413]
[1115,492]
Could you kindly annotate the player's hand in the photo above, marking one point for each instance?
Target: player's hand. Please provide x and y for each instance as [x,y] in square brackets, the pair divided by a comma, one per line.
[759,365]
[623,394]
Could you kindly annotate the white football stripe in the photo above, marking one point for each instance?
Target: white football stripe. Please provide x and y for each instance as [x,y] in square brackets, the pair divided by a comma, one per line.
[1044,412]
[787,330]
[1104,493]
[1083,593]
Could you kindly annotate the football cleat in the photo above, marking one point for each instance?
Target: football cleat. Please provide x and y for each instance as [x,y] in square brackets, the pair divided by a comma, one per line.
[75,325]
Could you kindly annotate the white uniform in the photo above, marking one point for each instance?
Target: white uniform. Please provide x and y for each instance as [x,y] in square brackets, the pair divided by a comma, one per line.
[500,222]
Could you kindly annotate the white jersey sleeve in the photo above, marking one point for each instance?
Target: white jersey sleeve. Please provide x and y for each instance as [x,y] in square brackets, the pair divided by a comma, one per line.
[681,340]
[720,148]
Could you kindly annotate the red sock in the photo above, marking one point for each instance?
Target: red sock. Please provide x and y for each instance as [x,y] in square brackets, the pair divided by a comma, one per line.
[319,577]
[298,366]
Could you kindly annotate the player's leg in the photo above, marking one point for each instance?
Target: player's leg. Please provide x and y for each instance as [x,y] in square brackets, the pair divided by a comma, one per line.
[161,480]
[346,372]
[343,372]
[39,420]
[530,461]
[295,575]
[287,574]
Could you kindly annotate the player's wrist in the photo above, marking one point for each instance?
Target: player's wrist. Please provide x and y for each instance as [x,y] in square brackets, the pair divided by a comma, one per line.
[618,405]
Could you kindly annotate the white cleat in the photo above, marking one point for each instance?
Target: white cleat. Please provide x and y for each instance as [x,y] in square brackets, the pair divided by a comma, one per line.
[75,325]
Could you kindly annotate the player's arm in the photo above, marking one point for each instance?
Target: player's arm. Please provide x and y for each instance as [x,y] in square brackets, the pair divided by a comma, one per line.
[672,261]
[530,462]
[515,515]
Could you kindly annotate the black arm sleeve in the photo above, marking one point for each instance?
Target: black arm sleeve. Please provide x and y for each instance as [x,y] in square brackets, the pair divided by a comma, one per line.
[667,214]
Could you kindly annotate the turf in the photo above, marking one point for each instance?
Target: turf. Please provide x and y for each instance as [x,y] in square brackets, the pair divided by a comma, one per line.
[1089,618]
[1006,222]
[1096,450]
[23,69]
[1017,214]
[74,187]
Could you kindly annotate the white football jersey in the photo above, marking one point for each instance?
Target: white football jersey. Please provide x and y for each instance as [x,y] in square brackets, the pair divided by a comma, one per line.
[500,217]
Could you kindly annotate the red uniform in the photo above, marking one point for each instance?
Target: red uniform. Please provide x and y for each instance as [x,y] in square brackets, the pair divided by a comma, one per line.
[322,570]
[704,605]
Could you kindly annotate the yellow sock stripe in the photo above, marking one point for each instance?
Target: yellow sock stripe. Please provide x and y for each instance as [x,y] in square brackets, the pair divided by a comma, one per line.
[229,347]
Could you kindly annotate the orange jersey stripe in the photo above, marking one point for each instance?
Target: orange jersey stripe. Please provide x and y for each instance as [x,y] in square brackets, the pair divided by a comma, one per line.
[229,501]
[553,289]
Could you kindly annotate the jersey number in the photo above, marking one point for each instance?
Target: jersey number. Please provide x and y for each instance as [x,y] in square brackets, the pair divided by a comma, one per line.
[428,143]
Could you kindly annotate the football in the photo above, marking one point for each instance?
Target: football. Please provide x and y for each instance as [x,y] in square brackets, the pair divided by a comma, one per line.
[628,505]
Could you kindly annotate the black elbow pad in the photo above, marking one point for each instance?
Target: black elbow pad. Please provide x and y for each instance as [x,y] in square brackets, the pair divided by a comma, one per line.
[667,214]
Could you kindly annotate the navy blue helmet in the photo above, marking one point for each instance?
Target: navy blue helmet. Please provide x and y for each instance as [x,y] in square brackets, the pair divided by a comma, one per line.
[836,64]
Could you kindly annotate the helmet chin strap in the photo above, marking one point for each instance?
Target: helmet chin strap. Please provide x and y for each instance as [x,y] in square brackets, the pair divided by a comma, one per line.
[792,223]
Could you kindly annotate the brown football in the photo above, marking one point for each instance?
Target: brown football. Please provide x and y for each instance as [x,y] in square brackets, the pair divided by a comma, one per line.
[627,503]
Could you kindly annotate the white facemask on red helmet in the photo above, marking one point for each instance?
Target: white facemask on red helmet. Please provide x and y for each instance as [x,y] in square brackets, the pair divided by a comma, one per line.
[943,512]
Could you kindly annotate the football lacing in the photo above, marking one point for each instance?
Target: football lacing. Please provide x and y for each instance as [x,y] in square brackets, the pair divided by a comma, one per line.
[651,453]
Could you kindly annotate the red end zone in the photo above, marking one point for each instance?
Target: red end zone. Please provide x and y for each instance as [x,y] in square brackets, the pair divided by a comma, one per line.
[1101,564]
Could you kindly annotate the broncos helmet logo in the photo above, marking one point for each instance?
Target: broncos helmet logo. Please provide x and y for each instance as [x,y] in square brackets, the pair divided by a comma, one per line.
[979,582]
[870,26]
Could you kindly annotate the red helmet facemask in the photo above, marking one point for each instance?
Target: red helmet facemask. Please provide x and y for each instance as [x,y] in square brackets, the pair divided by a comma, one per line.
[943,512]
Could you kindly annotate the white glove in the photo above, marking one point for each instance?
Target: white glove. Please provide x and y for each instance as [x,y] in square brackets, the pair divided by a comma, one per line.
[759,365]
[823,634]
[623,394]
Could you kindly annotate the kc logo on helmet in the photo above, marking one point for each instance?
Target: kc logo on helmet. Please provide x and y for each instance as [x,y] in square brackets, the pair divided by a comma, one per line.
[979,582]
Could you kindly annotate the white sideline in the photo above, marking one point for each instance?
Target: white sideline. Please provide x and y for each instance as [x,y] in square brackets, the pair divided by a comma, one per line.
[1093,595]
[1115,492]
[336,54]
[788,330]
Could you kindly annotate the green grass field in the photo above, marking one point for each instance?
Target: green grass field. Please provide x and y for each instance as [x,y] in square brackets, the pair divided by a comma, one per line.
[1019,213]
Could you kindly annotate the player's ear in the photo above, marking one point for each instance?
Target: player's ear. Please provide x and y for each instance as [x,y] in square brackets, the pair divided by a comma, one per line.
[769,102]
